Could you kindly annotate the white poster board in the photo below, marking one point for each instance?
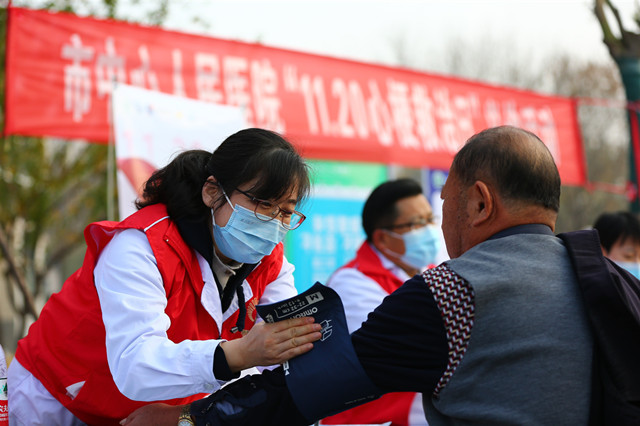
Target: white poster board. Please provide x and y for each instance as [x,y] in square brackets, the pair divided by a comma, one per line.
[151,128]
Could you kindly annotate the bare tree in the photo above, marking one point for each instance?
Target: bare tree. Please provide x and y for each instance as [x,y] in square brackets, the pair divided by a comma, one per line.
[605,136]
[624,48]
[627,43]
[604,127]
[49,191]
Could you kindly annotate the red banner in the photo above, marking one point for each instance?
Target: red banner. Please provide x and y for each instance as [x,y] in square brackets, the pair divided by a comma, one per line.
[61,68]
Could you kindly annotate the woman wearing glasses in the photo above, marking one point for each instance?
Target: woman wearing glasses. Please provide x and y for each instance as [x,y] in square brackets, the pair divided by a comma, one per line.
[163,308]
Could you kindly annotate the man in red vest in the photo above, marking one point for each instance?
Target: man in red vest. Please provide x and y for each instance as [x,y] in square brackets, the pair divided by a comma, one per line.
[402,240]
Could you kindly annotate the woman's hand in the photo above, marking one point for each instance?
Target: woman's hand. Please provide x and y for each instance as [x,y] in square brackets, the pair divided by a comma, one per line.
[157,414]
[271,344]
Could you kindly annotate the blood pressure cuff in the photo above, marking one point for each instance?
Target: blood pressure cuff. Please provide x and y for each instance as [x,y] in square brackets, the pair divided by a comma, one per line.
[329,378]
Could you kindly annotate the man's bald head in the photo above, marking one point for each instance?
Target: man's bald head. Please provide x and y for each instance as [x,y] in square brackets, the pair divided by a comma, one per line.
[516,162]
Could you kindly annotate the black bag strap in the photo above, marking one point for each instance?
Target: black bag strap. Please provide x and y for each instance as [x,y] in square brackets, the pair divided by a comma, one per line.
[612,299]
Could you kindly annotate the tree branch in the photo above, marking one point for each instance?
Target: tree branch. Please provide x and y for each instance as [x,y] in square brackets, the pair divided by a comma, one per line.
[624,34]
[598,9]
[29,304]
[628,43]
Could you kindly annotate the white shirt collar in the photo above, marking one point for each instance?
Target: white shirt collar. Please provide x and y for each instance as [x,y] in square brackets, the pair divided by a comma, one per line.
[222,270]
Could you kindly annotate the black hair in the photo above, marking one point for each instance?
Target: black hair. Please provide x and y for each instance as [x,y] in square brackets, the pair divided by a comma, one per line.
[519,171]
[178,185]
[380,210]
[618,226]
[249,154]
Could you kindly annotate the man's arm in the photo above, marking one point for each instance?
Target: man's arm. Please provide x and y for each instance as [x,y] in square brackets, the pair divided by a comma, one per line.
[259,399]
[403,344]
[402,347]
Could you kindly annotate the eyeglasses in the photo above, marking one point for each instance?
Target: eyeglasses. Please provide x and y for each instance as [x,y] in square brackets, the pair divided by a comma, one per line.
[267,211]
[415,224]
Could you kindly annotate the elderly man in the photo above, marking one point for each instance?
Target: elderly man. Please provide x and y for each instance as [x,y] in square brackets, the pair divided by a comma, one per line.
[497,335]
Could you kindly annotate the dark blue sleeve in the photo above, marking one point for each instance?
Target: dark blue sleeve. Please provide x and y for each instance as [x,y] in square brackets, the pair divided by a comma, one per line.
[259,399]
[403,344]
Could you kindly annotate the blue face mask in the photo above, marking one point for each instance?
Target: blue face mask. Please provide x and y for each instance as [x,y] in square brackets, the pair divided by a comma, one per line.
[633,267]
[421,246]
[245,238]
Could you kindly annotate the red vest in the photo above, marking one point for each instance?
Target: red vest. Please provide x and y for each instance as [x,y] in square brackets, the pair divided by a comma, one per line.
[368,263]
[392,407]
[66,345]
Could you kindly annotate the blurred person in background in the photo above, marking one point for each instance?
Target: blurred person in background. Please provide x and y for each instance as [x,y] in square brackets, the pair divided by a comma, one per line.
[402,241]
[619,234]
[163,307]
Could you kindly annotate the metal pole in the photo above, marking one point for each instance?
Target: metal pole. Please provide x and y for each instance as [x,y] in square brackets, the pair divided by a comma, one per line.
[630,73]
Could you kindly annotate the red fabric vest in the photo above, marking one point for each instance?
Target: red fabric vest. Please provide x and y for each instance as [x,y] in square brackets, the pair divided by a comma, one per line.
[392,407]
[66,345]
[368,262]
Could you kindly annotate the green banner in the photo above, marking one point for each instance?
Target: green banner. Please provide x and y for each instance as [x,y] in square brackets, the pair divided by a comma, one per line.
[333,231]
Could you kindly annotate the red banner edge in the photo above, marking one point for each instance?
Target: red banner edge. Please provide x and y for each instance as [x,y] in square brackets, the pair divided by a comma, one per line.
[583,178]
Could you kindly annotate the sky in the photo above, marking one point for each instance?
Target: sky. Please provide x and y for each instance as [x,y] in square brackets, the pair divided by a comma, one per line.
[372,30]
[375,31]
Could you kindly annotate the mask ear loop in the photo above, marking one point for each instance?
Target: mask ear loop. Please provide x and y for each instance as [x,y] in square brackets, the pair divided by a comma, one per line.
[213,216]
[223,193]
[391,252]
[227,198]
[393,234]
